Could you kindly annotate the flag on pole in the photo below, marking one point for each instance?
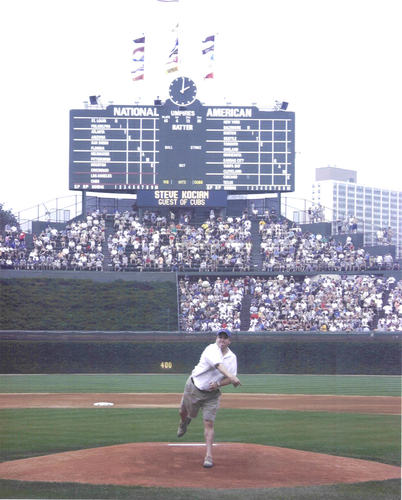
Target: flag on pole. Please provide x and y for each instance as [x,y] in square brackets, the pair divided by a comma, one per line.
[172,63]
[208,56]
[138,59]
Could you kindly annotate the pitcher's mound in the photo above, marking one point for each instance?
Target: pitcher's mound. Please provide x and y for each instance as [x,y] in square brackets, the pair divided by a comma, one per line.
[180,465]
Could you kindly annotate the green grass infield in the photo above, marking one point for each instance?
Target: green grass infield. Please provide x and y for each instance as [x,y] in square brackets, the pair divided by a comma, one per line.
[375,490]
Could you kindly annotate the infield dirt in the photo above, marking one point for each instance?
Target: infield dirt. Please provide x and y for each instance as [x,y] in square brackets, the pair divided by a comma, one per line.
[390,405]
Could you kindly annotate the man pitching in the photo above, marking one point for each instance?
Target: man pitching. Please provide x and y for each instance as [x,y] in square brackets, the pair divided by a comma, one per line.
[217,367]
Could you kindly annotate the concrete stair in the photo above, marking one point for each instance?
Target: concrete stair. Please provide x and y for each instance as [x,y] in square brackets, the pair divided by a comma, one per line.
[245,313]
[256,259]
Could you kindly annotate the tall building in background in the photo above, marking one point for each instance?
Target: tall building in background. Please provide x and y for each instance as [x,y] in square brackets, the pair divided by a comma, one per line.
[376,209]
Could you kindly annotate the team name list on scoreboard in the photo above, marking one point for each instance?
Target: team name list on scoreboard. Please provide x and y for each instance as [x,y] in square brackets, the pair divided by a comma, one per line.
[169,148]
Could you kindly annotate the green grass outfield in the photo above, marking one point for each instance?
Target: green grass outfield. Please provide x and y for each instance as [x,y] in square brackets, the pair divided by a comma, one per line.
[32,432]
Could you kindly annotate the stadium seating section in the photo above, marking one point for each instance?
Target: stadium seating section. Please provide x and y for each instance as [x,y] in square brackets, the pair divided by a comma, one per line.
[309,300]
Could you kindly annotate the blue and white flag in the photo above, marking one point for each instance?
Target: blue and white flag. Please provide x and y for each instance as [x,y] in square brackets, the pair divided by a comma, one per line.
[172,63]
[208,56]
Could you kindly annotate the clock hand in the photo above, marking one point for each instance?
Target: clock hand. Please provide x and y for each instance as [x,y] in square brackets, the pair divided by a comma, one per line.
[184,89]
[182,84]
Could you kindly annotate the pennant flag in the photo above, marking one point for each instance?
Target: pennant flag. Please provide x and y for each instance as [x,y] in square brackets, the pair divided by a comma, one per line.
[207,51]
[141,68]
[138,58]
[140,49]
[172,63]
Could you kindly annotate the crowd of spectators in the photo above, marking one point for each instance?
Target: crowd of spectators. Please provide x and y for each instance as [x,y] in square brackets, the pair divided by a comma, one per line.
[160,243]
[155,242]
[347,224]
[319,303]
[384,236]
[77,247]
[316,213]
[12,248]
[391,318]
[209,304]
[284,247]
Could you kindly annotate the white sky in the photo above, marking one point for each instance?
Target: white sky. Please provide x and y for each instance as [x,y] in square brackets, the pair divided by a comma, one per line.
[336,63]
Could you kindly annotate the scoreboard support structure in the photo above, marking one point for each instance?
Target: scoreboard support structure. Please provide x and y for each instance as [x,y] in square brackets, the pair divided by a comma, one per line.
[229,206]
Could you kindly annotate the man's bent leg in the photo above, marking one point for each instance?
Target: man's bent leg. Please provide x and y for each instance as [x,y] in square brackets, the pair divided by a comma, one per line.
[184,421]
[183,414]
[182,429]
[189,406]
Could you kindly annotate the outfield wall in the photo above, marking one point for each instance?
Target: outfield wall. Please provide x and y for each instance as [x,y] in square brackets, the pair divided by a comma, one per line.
[126,352]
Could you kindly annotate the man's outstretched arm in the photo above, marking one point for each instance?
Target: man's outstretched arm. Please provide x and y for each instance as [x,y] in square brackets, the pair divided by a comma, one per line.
[232,378]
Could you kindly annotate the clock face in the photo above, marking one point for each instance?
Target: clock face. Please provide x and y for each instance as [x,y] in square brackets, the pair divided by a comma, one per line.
[182,91]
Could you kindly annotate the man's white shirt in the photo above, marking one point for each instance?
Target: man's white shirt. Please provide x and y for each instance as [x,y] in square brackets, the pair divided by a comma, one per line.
[205,372]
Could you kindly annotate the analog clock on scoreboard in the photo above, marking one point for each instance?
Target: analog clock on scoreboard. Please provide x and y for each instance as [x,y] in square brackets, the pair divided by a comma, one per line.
[182,91]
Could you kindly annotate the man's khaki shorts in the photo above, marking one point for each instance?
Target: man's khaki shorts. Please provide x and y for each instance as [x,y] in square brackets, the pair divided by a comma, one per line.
[193,400]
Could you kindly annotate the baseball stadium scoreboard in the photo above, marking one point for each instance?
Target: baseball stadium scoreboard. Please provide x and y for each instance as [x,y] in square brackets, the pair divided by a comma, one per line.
[182,145]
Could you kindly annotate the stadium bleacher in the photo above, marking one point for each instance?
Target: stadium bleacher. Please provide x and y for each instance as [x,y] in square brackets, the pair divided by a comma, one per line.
[275,276]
